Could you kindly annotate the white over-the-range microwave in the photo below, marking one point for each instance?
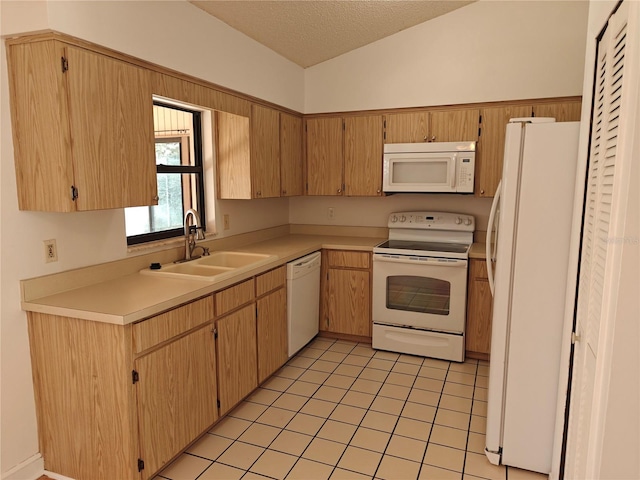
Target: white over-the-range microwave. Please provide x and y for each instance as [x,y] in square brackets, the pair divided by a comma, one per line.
[438,167]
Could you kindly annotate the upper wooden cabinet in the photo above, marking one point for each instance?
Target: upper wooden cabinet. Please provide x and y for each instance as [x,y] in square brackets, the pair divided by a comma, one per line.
[456,125]
[568,111]
[82,129]
[291,156]
[324,156]
[265,152]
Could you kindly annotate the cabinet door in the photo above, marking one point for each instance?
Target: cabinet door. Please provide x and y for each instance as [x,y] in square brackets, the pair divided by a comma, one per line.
[568,111]
[233,164]
[290,155]
[324,156]
[272,333]
[406,127]
[454,125]
[176,397]
[237,357]
[490,154]
[363,156]
[478,334]
[111,125]
[265,152]
[349,302]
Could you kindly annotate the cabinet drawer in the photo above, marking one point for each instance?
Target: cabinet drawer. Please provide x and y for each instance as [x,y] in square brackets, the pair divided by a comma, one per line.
[160,328]
[234,297]
[270,280]
[344,258]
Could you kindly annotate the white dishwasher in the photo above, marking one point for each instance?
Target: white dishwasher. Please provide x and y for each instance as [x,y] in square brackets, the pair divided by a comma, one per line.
[303,300]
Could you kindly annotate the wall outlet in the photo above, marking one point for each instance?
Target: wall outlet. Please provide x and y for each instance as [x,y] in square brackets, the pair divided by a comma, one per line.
[50,251]
[331,213]
[225,221]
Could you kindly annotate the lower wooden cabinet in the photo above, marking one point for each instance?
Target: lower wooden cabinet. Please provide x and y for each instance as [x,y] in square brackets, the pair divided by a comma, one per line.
[479,299]
[271,313]
[346,293]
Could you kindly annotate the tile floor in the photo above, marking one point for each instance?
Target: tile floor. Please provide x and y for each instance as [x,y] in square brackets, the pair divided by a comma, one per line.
[341,410]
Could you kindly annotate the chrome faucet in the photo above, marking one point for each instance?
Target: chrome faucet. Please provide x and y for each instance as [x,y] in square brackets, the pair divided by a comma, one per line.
[192,233]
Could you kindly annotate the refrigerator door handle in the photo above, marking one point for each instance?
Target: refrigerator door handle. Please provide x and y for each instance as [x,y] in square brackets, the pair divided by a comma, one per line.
[491,246]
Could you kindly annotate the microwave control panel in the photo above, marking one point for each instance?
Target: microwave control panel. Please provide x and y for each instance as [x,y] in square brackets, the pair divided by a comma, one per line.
[466,167]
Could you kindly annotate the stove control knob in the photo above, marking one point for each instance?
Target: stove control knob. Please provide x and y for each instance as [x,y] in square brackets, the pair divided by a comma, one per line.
[458,220]
[403,218]
[467,221]
[394,218]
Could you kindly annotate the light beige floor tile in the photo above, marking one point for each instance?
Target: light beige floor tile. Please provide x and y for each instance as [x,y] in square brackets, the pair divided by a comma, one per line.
[381,364]
[340,381]
[431,372]
[318,408]
[358,399]
[260,435]
[218,471]
[254,476]
[480,394]
[324,451]
[363,350]
[387,355]
[324,366]
[241,455]
[313,376]
[394,391]
[444,457]
[418,411]
[370,439]
[230,427]
[387,405]
[379,421]
[289,371]
[310,352]
[519,474]
[476,443]
[248,411]
[437,363]
[392,468]
[469,368]
[274,464]
[342,347]
[482,382]
[210,446]
[309,470]
[304,389]
[357,360]
[263,396]
[337,431]
[479,408]
[292,443]
[449,437]
[408,427]
[402,379]
[333,356]
[348,370]
[307,424]
[186,467]
[431,384]
[348,414]
[330,394]
[322,343]
[374,374]
[276,417]
[429,472]
[463,378]
[360,460]
[366,386]
[449,418]
[478,424]
[459,404]
[279,384]
[483,370]
[407,448]
[424,397]
[415,360]
[302,362]
[458,390]
[408,368]
[478,465]
[290,402]
[342,474]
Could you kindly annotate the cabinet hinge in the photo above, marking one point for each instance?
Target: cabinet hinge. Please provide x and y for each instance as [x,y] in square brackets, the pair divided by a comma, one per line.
[64,64]
[74,193]
[480,119]
[384,135]
[135,378]
[344,125]
[218,403]
[306,186]
[140,464]
[479,131]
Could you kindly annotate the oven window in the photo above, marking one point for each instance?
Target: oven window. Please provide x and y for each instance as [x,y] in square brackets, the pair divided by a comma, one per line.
[418,294]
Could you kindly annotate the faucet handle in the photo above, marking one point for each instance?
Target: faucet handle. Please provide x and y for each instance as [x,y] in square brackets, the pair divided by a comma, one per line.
[199,233]
[205,251]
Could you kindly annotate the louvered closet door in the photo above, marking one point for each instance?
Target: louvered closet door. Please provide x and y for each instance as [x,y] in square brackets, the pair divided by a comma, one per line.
[595,281]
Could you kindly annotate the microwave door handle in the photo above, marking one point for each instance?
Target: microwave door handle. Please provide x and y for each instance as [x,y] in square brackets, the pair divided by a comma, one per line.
[452,180]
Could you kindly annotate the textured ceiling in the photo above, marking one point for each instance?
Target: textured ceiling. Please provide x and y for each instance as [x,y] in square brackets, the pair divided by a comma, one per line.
[308,32]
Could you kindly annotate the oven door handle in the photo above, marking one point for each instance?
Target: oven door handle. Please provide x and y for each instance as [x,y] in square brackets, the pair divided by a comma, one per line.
[440,262]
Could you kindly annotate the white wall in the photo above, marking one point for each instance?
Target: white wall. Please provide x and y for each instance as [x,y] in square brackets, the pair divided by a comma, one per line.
[486,51]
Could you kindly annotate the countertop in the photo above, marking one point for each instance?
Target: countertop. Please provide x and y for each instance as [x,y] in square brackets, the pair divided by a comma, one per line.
[478,251]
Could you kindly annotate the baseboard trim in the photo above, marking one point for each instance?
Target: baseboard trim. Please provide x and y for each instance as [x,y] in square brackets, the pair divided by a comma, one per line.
[31,469]
[56,476]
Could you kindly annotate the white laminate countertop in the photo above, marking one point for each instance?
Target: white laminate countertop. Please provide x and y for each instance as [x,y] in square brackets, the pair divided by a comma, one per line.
[133,297]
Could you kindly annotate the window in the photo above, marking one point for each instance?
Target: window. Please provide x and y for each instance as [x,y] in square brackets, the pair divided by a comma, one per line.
[178,136]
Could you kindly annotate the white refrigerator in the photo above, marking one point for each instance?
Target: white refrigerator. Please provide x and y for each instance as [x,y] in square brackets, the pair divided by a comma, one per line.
[527,263]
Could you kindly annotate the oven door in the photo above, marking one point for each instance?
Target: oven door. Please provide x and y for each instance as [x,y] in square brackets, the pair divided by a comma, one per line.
[419,172]
[421,292]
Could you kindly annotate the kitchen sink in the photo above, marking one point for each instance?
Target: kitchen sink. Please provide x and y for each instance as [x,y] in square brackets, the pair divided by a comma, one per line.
[214,267]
